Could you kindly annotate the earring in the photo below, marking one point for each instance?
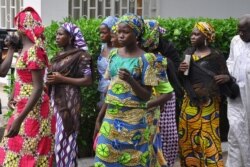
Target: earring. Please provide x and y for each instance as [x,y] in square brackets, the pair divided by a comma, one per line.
[205,42]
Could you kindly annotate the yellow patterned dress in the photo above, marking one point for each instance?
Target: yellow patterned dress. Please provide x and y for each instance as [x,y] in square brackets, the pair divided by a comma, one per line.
[34,144]
[199,138]
[124,134]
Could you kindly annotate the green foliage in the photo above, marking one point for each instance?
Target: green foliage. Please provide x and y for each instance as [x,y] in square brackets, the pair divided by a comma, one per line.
[178,31]
[8,89]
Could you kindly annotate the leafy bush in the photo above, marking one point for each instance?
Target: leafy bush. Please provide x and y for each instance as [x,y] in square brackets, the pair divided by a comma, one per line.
[178,31]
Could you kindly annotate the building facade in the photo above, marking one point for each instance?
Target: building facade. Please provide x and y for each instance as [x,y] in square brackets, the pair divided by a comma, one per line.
[59,9]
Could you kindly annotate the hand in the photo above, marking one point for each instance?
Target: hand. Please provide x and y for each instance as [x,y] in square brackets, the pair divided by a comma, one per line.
[12,104]
[183,67]
[221,79]
[54,78]
[124,74]
[14,128]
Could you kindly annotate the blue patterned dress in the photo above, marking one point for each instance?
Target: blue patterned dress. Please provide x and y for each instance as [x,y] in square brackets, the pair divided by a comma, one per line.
[102,64]
[153,117]
[124,134]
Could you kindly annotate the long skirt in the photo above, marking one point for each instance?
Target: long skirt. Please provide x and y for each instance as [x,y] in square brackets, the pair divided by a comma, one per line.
[199,139]
[157,158]
[65,146]
[34,144]
[168,130]
[124,137]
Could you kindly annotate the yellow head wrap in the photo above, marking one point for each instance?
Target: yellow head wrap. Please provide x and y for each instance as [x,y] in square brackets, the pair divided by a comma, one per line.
[206,29]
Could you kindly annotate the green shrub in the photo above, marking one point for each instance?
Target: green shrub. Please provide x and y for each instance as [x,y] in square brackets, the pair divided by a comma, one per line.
[178,31]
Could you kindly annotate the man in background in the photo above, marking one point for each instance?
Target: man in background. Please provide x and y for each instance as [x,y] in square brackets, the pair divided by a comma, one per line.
[239,108]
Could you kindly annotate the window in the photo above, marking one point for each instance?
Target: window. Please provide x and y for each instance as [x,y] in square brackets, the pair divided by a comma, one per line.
[103,8]
[8,10]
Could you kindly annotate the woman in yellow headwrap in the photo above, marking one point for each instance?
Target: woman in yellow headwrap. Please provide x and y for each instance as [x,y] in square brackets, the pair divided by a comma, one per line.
[199,140]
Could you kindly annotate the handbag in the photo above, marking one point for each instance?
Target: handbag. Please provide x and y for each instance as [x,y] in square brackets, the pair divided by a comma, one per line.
[230,89]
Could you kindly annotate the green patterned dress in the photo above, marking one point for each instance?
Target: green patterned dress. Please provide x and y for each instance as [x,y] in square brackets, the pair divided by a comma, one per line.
[125,134]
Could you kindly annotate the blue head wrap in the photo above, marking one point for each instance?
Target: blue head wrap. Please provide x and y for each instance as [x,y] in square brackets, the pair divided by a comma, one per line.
[110,21]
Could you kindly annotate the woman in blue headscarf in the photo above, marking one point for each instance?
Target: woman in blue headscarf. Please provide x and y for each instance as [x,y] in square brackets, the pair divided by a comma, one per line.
[70,69]
[102,61]
[124,135]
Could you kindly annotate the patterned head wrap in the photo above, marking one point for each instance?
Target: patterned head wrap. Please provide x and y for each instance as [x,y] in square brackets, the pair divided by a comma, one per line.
[74,31]
[110,21]
[114,28]
[133,21]
[30,23]
[152,34]
[206,29]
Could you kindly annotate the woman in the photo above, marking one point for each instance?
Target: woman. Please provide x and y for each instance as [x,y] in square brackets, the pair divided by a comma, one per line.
[164,91]
[12,43]
[199,140]
[70,69]
[29,136]
[102,61]
[124,135]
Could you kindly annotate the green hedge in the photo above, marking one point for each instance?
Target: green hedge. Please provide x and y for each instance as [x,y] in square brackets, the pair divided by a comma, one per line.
[178,31]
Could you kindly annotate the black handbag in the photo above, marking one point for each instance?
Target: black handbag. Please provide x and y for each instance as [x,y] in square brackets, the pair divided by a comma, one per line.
[230,89]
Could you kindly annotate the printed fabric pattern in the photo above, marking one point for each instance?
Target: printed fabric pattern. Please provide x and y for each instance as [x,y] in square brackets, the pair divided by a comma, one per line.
[34,144]
[124,134]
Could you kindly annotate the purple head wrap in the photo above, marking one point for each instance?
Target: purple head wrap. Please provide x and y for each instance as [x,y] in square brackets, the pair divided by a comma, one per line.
[74,31]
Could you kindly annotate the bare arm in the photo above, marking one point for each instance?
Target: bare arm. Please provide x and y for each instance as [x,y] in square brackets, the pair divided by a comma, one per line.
[57,78]
[99,119]
[37,78]
[162,99]
[5,66]
[11,102]
[142,92]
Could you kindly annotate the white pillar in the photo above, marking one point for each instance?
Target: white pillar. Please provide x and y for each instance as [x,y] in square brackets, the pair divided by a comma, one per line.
[49,9]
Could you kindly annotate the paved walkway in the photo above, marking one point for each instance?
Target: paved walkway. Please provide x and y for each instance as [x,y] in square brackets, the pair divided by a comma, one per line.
[88,162]
[83,162]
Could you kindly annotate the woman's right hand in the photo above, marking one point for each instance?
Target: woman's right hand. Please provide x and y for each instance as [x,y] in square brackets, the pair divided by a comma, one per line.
[183,67]
[54,78]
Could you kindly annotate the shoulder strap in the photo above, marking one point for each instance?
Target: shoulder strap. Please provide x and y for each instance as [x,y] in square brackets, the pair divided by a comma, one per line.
[210,73]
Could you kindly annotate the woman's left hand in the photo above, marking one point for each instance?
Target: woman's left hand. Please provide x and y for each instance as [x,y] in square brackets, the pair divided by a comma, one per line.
[54,78]
[221,79]
[14,128]
[124,74]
